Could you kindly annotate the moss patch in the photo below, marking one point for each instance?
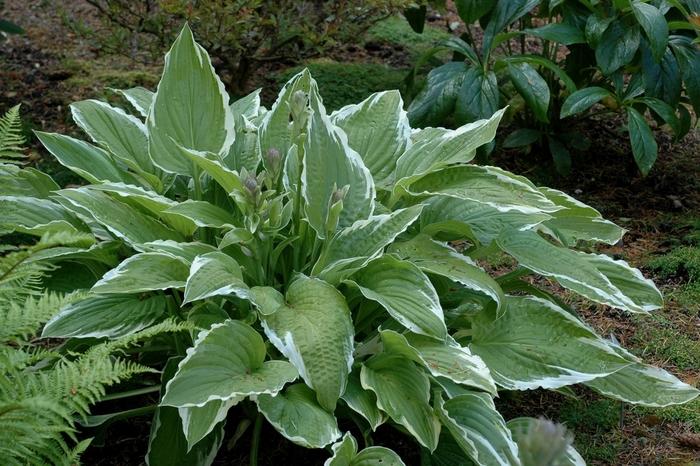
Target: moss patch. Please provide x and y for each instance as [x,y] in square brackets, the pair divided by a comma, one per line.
[347,83]
[396,30]
[596,427]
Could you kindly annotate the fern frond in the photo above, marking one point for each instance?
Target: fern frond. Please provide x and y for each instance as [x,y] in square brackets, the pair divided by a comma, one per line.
[21,320]
[11,139]
[114,346]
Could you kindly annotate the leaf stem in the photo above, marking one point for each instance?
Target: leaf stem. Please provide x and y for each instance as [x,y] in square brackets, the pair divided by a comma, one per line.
[255,443]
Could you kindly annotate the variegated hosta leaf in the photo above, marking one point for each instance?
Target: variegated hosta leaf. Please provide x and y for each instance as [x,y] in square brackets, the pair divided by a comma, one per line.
[378,129]
[329,164]
[345,454]
[536,444]
[479,429]
[151,201]
[275,129]
[199,421]
[405,292]
[213,165]
[487,185]
[202,213]
[642,384]
[578,221]
[226,362]
[36,216]
[485,221]
[441,259]
[313,329]
[446,359]
[105,252]
[295,414]
[169,445]
[122,220]
[362,401]
[16,181]
[189,82]
[434,148]
[188,252]
[247,106]
[214,274]
[146,271]
[355,245]
[595,276]
[537,344]
[123,135]
[139,97]
[105,316]
[245,150]
[449,453]
[84,159]
[403,392]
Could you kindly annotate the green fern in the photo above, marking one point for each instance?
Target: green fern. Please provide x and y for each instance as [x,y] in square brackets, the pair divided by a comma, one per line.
[43,392]
[12,141]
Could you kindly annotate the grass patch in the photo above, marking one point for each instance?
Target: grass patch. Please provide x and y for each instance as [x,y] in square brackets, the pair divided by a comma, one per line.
[396,30]
[98,75]
[347,83]
[657,338]
[683,261]
[595,424]
[688,413]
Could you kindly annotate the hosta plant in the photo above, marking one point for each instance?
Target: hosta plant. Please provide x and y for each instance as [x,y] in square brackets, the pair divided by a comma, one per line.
[552,61]
[337,269]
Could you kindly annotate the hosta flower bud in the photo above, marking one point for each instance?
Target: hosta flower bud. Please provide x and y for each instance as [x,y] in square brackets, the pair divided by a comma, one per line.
[251,184]
[273,157]
[544,444]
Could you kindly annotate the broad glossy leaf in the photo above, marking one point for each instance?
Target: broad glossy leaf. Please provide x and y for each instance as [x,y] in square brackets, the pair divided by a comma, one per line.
[403,392]
[84,159]
[123,135]
[190,108]
[168,444]
[661,80]
[521,429]
[440,259]
[297,416]
[666,112]
[478,96]
[566,34]
[140,98]
[595,276]
[654,25]
[405,292]
[537,344]
[521,137]
[314,316]
[644,145]
[438,147]
[362,401]
[479,429]
[105,316]
[488,185]
[202,213]
[355,245]
[146,271]
[214,166]
[485,221]
[245,150]
[120,219]
[214,274]
[642,384]
[502,15]
[329,164]
[582,100]
[36,216]
[377,128]
[560,155]
[442,359]
[345,454]
[532,87]
[617,46]
[688,57]
[472,10]
[437,99]
[226,362]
